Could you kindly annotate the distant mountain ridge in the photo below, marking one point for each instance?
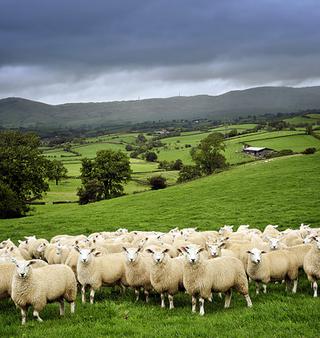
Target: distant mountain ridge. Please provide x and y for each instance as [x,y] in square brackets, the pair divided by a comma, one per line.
[18,112]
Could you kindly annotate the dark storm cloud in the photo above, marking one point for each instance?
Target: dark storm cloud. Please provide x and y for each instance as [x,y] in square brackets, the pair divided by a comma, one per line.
[51,43]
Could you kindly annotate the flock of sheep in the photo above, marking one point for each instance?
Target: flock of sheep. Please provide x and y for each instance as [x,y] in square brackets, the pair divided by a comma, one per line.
[199,263]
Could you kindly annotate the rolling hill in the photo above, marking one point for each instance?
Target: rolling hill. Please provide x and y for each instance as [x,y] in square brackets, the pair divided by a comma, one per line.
[19,112]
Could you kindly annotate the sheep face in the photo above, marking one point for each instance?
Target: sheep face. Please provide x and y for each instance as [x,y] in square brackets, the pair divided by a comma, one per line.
[192,253]
[274,243]
[41,247]
[158,256]
[58,248]
[86,255]
[255,255]
[22,267]
[226,229]
[3,244]
[214,250]
[132,254]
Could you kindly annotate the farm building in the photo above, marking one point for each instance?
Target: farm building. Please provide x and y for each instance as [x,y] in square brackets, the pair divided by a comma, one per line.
[257,151]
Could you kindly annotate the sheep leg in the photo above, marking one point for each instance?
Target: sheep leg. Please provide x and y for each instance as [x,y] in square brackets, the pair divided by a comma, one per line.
[315,289]
[171,306]
[146,293]
[201,302]
[295,285]
[194,304]
[83,293]
[264,288]
[36,315]
[257,288]
[248,300]
[227,299]
[210,298]
[220,295]
[92,292]
[162,300]
[72,307]
[137,293]
[23,315]
[61,303]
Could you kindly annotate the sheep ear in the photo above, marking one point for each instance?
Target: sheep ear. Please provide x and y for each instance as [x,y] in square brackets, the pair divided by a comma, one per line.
[92,250]
[263,252]
[13,260]
[20,242]
[221,244]
[124,249]
[249,251]
[139,248]
[149,251]
[77,248]
[97,254]
[165,250]
[183,249]
[32,261]
[201,249]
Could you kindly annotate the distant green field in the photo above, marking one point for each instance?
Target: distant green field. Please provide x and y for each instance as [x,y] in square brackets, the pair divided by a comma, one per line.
[301,119]
[314,116]
[282,191]
[296,143]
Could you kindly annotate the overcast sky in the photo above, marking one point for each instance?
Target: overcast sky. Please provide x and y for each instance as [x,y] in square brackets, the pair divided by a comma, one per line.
[100,50]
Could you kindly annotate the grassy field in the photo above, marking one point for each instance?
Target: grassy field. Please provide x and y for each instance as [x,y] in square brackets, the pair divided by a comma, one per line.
[175,148]
[308,119]
[281,191]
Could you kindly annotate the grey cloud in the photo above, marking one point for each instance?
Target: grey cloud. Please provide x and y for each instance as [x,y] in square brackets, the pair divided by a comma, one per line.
[183,43]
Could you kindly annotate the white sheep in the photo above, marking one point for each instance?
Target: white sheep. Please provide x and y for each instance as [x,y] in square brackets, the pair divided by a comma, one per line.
[137,269]
[36,287]
[6,274]
[95,269]
[215,250]
[201,277]
[311,265]
[275,265]
[166,274]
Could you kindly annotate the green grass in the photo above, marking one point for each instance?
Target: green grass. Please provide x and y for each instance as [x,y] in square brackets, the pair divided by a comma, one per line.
[302,119]
[296,143]
[282,191]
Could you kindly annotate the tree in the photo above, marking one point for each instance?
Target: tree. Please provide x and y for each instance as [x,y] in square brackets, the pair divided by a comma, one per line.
[56,171]
[177,165]
[188,173]
[102,177]
[10,205]
[23,169]
[207,156]
[141,139]
[158,182]
[309,130]
[151,156]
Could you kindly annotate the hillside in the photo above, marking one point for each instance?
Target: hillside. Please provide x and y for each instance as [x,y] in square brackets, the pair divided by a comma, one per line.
[282,191]
[255,193]
[18,112]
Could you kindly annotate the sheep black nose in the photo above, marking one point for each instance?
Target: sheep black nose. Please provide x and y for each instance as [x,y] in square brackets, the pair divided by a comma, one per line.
[192,260]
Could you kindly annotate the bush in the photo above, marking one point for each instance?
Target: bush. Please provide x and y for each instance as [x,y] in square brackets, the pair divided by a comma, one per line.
[283,152]
[151,156]
[188,173]
[309,151]
[158,182]
[129,147]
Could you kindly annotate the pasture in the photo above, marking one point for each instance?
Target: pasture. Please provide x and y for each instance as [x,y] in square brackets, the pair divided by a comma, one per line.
[281,191]
[174,148]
